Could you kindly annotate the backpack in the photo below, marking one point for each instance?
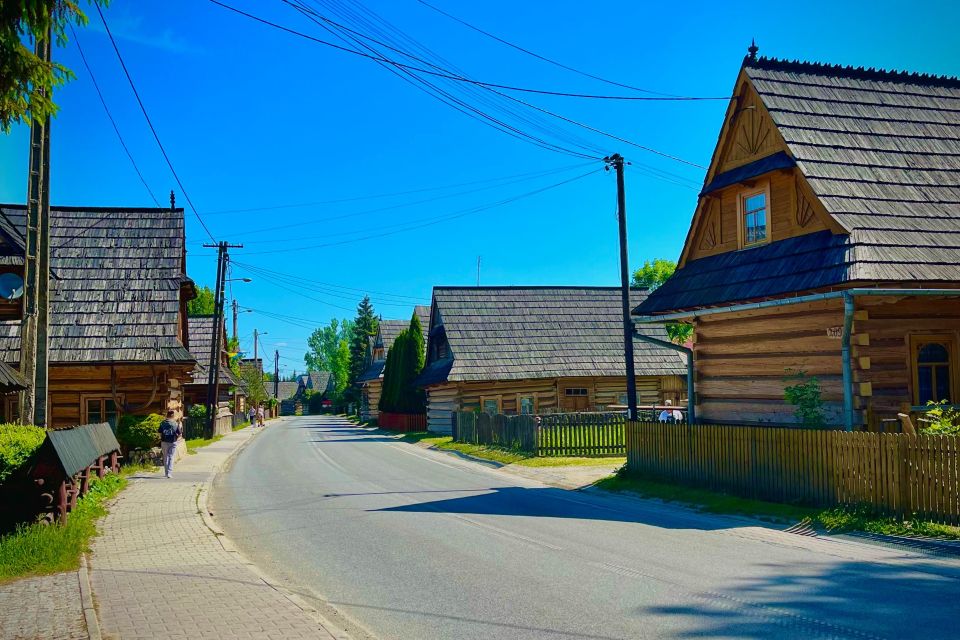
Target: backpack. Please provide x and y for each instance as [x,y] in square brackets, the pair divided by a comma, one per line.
[168,431]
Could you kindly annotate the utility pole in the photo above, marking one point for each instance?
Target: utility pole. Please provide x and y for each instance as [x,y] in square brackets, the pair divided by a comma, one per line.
[213,374]
[478,271]
[616,160]
[256,341]
[33,331]
[235,305]
[276,374]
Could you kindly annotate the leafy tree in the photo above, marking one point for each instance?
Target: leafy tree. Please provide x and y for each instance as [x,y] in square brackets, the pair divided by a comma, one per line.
[806,395]
[653,274]
[326,351]
[650,276]
[256,389]
[203,304]
[26,81]
[364,326]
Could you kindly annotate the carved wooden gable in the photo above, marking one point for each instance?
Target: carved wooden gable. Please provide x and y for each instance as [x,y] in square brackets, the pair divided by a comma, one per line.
[753,134]
[711,235]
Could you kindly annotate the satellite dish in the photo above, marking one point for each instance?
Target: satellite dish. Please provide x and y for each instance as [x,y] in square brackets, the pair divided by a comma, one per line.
[11,286]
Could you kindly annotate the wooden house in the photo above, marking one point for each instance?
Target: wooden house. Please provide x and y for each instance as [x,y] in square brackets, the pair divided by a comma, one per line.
[517,350]
[200,345]
[371,380]
[826,240]
[118,321]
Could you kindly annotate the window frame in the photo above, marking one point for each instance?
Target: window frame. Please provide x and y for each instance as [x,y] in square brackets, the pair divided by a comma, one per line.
[499,400]
[536,403]
[758,188]
[917,342]
[567,394]
[117,401]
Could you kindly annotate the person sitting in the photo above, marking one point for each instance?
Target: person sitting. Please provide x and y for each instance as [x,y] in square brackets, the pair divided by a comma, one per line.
[669,414]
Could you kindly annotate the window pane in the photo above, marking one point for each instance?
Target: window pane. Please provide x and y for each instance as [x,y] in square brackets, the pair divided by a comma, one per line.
[526,405]
[94,414]
[752,203]
[933,352]
[490,405]
[942,383]
[924,384]
[110,412]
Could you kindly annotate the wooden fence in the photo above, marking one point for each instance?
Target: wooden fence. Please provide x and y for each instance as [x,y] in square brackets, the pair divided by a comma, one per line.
[560,434]
[402,421]
[890,473]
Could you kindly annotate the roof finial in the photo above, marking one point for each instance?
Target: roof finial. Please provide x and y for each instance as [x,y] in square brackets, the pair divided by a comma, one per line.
[173,200]
[752,49]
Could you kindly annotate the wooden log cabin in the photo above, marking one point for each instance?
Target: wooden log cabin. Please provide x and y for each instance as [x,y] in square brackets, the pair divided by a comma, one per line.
[118,321]
[826,239]
[200,345]
[371,380]
[517,350]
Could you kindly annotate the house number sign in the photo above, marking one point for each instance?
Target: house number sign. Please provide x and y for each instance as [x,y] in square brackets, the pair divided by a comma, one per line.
[835,333]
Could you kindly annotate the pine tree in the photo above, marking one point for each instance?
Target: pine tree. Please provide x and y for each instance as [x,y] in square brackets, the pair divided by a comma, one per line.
[364,326]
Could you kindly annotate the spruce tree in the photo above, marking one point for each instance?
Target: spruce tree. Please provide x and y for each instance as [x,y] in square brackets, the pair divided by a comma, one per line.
[364,326]
[413,398]
[391,391]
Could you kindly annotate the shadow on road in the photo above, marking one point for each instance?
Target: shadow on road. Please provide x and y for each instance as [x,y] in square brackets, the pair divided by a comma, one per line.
[838,600]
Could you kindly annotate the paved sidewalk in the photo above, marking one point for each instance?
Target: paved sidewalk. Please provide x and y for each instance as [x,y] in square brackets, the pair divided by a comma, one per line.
[158,571]
[42,607]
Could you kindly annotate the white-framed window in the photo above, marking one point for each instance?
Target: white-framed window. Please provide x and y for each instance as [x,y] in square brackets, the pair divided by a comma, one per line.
[526,404]
[754,208]
[491,404]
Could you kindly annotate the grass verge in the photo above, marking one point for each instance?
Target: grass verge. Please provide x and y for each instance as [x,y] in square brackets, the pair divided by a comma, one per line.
[197,443]
[242,425]
[40,549]
[504,455]
[837,520]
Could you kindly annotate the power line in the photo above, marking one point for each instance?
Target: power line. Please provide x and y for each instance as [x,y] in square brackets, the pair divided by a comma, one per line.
[438,220]
[308,284]
[579,165]
[554,62]
[337,286]
[153,130]
[491,88]
[113,122]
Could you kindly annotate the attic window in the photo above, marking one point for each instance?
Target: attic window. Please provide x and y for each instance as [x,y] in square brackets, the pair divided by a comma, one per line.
[754,216]
[575,391]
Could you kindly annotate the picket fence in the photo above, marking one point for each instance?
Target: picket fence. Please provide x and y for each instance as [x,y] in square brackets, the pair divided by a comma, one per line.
[889,473]
[561,434]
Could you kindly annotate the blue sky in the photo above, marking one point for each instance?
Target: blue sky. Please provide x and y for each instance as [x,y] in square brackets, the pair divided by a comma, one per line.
[257,121]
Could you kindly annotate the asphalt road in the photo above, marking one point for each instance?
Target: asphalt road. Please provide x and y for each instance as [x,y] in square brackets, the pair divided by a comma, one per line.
[416,544]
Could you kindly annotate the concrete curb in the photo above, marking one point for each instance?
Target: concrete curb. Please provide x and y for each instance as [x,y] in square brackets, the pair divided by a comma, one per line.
[86,600]
[228,546]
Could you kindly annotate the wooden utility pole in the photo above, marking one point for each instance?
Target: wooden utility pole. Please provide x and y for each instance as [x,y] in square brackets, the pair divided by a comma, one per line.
[276,374]
[256,341]
[213,373]
[33,329]
[616,160]
[235,305]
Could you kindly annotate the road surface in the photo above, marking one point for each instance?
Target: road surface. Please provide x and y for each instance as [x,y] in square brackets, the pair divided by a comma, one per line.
[416,544]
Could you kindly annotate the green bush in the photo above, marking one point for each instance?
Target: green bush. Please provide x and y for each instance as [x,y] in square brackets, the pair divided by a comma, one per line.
[198,412]
[139,432]
[17,444]
[315,403]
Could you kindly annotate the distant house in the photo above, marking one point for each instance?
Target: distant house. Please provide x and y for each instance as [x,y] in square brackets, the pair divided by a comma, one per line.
[532,350]
[200,343]
[118,321]
[826,240]
[371,381]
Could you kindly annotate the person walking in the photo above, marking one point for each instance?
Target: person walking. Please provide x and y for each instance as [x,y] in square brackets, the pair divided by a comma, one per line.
[260,415]
[253,415]
[170,431]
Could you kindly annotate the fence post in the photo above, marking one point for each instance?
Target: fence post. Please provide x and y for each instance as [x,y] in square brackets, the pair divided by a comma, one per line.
[454,419]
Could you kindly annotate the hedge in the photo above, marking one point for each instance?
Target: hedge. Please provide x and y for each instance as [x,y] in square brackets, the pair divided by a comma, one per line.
[139,432]
[17,444]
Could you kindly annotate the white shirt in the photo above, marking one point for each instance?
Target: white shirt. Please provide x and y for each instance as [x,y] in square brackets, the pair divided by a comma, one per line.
[667,414]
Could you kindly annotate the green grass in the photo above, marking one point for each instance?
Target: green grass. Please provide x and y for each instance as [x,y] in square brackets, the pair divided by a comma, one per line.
[836,520]
[504,455]
[197,443]
[242,425]
[39,549]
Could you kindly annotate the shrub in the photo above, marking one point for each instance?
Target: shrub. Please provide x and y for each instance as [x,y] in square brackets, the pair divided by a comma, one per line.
[315,403]
[139,432]
[806,395]
[943,419]
[198,412]
[17,444]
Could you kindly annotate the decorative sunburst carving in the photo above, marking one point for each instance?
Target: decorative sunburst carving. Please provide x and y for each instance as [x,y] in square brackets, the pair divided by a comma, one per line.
[805,213]
[710,237]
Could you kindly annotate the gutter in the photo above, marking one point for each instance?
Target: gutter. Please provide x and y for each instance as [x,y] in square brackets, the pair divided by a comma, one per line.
[691,395]
[848,296]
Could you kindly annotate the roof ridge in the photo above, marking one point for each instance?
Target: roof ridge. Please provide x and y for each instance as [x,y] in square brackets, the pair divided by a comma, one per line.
[532,287]
[849,71]
[91,209]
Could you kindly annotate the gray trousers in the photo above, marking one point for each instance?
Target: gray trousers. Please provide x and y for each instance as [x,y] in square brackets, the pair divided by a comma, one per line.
[169,451]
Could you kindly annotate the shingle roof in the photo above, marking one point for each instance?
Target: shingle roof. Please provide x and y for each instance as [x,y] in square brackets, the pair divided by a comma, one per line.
[510,333]
[390,329]
[881,151]
[422,312]
[285,390]
[201,346]
[115,285]
[374,371]
[320,380]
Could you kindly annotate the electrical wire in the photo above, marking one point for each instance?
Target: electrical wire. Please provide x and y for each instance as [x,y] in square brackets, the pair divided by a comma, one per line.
[432,222]
[549,60]
[414,299]
[523,102]
[153,130]
[579,165]
[113,122]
